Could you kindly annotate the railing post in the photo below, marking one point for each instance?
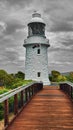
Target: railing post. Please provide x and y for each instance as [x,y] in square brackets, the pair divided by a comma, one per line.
[6,112]
[71,92]
[32,90]
[29,89]
[22,96]
[15,104]
[26,95]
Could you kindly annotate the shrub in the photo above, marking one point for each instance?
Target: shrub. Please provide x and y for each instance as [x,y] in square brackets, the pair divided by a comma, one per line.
[61,78]
[5,78]
[1,111]
[70,77]
[50,77]
[55,74]
[57,77]
[4,90]
[20,75]
[1,114]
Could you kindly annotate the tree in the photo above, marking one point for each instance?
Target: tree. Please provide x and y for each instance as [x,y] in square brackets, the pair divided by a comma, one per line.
[57,77]
[5,78]
[70,77]
[61,78]
[20,75]
[54,74]
[3,75]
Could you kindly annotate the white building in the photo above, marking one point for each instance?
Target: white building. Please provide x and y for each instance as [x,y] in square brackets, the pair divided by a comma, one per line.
[36,44]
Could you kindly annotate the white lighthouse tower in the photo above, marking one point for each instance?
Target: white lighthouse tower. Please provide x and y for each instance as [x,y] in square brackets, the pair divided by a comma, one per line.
[36,44]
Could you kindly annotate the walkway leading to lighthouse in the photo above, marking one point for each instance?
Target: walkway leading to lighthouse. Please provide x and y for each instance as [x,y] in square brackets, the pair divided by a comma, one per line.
[49,109]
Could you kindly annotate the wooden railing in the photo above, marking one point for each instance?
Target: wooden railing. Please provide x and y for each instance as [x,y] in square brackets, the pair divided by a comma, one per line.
[26,93]
[67,87]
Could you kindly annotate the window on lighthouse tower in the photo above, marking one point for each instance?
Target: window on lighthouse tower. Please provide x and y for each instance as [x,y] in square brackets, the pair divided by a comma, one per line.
[38,74]
[38,51]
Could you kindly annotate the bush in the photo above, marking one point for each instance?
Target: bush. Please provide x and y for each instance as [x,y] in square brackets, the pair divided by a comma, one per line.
[70,77]
[4,90]
[1,114]
[1,111]
[19,82]
[5,78]
[20,75]
[57,77]
[55,74]
[50,77]
[61,78]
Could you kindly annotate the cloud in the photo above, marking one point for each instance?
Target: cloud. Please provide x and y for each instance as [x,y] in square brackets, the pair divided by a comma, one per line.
[12,26]
[60,56]
[69,43]
[19,2]
[61,26]
[2,28]
[60,14]
[61,40]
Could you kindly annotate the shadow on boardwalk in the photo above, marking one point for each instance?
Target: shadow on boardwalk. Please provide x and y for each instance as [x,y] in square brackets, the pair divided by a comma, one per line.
[50,109]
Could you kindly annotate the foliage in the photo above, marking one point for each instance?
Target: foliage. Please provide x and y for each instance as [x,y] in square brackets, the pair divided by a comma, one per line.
[8,82]
[55,73]
[4,90]
[11,81]
[3,75]
[1,111]
[20,75]
[61,78]
[50,77]
[5,78]
[70,77]
[1,114]
[57,77]
[11,106]
[18,82]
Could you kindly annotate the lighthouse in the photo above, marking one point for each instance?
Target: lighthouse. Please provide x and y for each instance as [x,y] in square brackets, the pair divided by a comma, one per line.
[36,44]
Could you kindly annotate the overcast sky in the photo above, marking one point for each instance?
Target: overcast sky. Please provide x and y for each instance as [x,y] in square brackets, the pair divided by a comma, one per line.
[14,16]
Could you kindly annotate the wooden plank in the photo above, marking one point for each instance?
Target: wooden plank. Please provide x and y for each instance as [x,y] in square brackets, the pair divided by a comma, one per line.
[53,112]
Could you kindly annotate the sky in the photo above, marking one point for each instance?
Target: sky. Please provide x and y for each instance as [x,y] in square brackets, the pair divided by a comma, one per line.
[14,17]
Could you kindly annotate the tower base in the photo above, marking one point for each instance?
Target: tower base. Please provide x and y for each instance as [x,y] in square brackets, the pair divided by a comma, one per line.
[46,82]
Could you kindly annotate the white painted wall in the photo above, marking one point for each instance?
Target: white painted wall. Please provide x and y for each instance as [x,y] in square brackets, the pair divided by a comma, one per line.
[36,63]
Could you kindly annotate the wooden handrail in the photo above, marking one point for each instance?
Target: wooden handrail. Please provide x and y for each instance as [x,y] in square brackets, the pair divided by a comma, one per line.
[15,90]
[26,92]
[67,87]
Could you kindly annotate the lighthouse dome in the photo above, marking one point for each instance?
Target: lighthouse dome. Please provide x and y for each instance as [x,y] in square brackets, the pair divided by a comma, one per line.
[36,17]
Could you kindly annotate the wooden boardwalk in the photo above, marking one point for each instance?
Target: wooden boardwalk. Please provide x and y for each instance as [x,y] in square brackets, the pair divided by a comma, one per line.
[50,109]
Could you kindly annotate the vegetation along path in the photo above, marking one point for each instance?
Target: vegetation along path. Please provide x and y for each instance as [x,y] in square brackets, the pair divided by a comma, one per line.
[50,109]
